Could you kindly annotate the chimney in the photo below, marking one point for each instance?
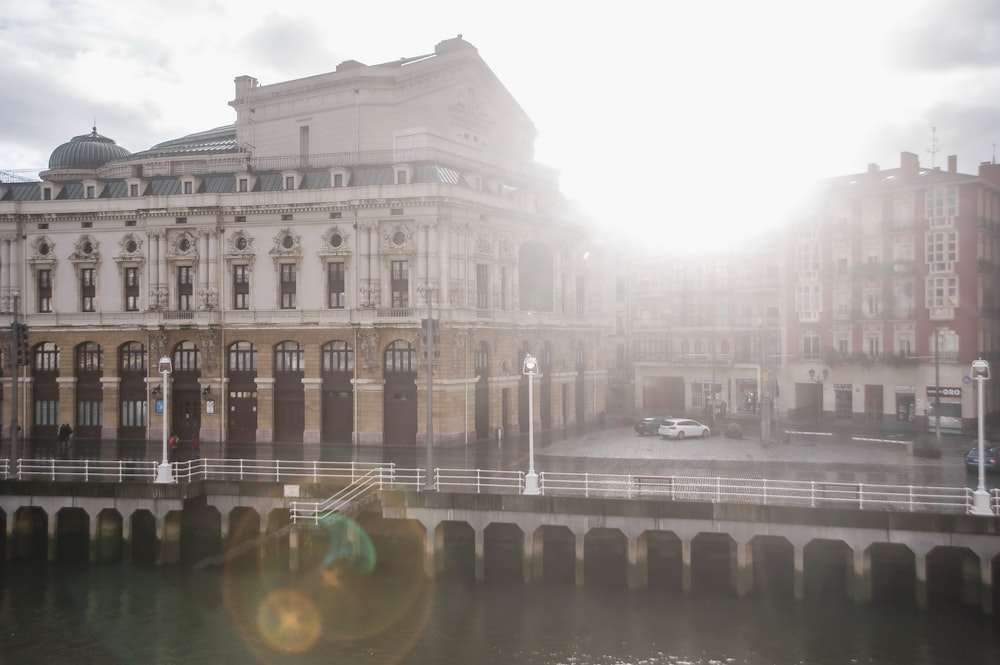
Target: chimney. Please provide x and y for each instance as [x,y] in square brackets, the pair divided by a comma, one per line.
[952,163]
[909,163]
[990,172]
[873,167]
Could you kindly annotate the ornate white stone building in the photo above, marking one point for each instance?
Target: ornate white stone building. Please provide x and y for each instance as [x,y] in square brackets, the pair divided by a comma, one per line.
[285,263]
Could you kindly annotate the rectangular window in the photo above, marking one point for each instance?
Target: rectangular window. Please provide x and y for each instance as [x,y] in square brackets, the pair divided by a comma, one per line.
[88,290]
[46,412]
[304,144]
[188,187]
[810,347]
[289,182]
[185,288]
[400,177]
[44,288]
[133,190]
[873,346]
[134,413]
[89,413]
[287,286]
[482,286]
[400,283]
[90,192]
[131,289]
[942,292]
[941,250]
[46,193]
[338,179]
[241,287]
[337,298]
[244,184]
[941,205]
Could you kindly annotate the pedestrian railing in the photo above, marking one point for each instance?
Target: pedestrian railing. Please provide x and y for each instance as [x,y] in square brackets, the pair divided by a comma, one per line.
[345,501]
[756,491]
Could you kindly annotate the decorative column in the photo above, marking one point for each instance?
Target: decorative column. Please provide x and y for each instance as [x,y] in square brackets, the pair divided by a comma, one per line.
[204,300]
[213,268]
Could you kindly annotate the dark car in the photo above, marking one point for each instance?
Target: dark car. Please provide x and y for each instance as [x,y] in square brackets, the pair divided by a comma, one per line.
[650,425]
[991,458]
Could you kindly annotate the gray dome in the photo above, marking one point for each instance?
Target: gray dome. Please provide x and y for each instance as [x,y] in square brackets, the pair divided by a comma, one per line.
[89,151]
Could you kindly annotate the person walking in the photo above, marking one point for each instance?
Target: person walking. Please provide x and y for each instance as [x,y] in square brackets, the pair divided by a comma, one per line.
[195,447]
[174,443]
[65,432]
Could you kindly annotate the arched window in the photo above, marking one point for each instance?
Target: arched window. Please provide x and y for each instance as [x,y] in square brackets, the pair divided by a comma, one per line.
[289,357]
[186,357]
[400,357]
[337,357]
[242,357]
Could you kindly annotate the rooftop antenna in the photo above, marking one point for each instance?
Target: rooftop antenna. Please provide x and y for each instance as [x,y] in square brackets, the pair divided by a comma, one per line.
[934,145]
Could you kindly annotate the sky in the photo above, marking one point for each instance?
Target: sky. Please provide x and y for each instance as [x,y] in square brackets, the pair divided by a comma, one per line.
[694,123]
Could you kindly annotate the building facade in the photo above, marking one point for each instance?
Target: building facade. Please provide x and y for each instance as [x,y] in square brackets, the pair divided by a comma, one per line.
[286,265]
[866,307]
[893,292]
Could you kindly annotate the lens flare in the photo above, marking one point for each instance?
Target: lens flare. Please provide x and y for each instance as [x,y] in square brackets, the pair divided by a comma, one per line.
[288,621]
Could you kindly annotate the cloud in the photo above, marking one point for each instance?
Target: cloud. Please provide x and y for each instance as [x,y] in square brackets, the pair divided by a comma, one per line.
[949,35]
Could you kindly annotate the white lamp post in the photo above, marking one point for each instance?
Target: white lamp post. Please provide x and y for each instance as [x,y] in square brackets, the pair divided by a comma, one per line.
[164,472]
[530,369]
[981,499]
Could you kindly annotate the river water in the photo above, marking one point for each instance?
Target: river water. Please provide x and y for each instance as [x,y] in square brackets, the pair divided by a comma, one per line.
[66,614]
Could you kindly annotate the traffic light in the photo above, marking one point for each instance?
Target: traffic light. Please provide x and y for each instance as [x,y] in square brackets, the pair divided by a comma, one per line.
[21,340]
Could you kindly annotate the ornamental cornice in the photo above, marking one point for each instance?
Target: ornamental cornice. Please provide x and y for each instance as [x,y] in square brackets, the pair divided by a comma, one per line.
[85,250]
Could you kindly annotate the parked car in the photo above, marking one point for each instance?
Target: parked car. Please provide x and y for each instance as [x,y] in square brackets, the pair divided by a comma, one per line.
[650,424]
[991,458]
[679,428]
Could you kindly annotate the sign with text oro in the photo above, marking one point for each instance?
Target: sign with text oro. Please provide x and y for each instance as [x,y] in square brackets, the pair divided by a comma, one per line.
[943,391]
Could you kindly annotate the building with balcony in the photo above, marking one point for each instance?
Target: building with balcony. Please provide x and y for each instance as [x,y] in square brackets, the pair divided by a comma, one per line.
[286,264]
[892,292]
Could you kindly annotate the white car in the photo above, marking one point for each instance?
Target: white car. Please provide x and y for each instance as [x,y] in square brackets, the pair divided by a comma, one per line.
[678,428]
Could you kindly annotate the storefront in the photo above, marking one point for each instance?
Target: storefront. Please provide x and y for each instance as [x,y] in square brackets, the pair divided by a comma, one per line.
[844,400]
[944,405]
[906,407]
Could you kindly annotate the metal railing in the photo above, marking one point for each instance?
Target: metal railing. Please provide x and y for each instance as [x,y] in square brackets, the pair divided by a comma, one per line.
[364,476]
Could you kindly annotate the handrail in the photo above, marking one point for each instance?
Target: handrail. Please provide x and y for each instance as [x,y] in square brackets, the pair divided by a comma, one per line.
[350,496]
[713,489]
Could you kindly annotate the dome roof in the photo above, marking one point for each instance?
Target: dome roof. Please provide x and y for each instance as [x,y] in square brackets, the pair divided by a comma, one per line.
[88,151]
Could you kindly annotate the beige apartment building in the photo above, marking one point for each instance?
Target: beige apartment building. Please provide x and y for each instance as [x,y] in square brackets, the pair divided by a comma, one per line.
[286,263]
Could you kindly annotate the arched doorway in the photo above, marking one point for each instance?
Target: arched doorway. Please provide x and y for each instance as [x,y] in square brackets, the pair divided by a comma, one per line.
[400,397]
[44,413]
[241,370]
[289,397]
[133,403]
[89,408]
[481,360]
[185,391]
[337,370]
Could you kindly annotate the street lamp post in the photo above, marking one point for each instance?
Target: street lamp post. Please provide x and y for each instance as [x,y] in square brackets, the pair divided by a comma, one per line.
[530,369]
[164,472]
[981,498]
